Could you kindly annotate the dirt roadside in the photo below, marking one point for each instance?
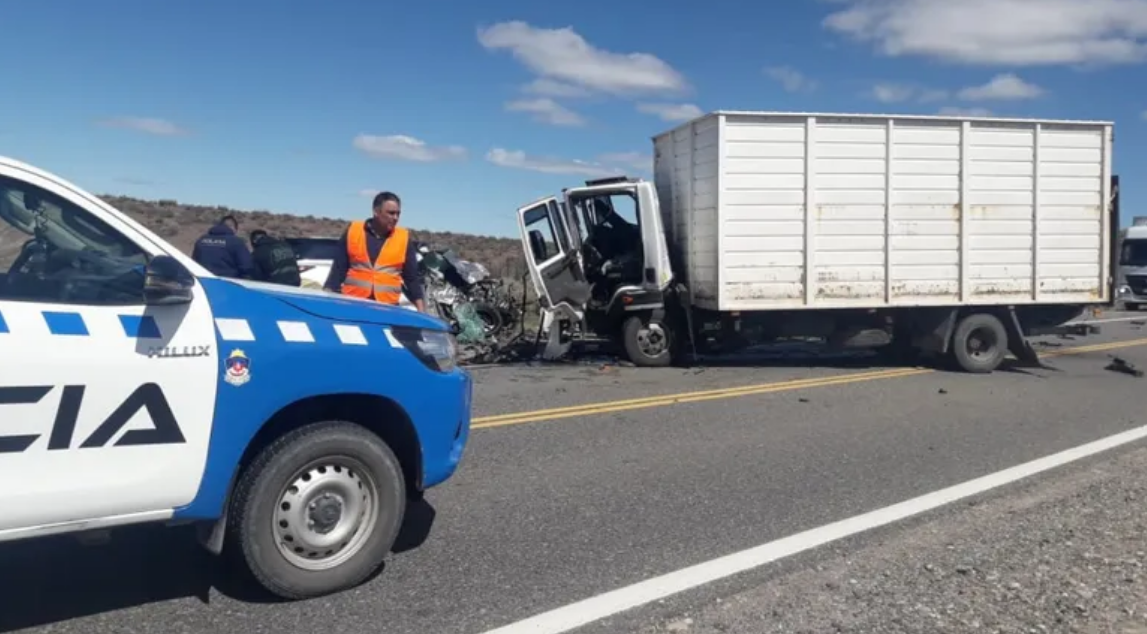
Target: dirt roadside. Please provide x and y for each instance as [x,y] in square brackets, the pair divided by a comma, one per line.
[1064,553]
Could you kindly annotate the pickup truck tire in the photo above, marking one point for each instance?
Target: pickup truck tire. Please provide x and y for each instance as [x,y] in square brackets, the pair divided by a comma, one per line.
[317,510]
[491,317]
[648,342]
[979,343]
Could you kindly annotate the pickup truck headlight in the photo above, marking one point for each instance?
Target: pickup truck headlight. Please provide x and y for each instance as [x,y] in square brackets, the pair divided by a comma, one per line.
[436,349]
[1123,290]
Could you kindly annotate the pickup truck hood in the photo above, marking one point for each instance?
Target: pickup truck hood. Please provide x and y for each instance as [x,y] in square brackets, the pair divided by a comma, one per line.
[344,309]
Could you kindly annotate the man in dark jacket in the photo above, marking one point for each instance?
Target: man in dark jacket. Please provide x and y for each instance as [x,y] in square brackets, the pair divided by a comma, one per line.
[275,260]
[223,252]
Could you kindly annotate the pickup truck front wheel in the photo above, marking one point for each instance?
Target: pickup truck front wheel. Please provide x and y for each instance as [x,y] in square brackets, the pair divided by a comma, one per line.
[317,510]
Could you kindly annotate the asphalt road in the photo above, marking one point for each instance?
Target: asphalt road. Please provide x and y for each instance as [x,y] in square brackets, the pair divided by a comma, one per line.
[638,473]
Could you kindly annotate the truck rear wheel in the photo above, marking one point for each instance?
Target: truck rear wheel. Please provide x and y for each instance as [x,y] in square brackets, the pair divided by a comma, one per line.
[979,343]
[317,510]
[648,341]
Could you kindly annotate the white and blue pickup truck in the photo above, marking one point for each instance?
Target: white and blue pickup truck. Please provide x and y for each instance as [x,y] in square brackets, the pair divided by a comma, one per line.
[293,426]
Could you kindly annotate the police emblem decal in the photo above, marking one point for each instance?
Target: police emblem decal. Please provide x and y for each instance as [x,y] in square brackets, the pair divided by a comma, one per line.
[237,368]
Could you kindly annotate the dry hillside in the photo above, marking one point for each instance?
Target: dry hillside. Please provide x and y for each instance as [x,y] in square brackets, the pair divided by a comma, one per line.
[181,224]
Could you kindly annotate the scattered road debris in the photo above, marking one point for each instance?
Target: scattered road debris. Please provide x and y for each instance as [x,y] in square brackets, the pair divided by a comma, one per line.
[1118,364]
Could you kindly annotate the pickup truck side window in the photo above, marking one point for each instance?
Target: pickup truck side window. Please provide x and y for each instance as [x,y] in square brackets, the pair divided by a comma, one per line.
[54,251]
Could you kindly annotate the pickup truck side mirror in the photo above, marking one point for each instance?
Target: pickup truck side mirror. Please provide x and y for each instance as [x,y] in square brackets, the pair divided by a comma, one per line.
[167,282]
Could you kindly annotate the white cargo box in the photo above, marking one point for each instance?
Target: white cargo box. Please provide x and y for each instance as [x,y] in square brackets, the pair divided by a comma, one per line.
[783,211]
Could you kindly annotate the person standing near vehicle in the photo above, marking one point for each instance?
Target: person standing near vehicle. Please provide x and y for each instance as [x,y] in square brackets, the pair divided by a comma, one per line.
[376,258]
[275,260]
[222,251]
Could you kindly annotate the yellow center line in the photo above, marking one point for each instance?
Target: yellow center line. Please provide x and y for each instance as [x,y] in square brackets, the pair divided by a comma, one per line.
[657,399]
[519,418]
[1096,347]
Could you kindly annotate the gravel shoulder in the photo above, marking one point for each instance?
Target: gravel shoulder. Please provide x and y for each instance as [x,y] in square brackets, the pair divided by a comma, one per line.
[1061,554]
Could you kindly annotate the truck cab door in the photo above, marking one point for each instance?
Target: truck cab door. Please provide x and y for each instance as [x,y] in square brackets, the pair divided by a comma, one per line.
[657,268]
[553,258]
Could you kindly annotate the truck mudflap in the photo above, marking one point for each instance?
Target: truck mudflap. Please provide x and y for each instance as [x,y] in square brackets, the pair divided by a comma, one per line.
[1022,349]
[1018,343]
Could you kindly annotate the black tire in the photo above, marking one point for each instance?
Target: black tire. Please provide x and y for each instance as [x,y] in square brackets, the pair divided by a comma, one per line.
[979,343]
[491,318]
[648,342]
[254,524]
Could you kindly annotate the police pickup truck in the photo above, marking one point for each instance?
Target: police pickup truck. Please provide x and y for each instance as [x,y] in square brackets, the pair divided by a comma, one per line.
[293,426]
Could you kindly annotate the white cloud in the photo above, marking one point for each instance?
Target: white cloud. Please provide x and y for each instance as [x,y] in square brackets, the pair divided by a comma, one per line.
[1011,32]
[552,88]
[671,111]
[792,79]
[406,148]
[634,160]
[517,159]
[899,93]
[563,56]
[956,111]
[892,93]
[368,193]
[931,95]
[547,110]
[147,125]
[1002,87]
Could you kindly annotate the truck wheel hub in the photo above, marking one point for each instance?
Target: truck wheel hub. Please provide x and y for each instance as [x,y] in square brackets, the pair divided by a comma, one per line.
[324,513]
[652,339]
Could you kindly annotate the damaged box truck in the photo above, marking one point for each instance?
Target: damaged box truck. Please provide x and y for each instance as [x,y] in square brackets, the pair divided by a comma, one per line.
[952,236]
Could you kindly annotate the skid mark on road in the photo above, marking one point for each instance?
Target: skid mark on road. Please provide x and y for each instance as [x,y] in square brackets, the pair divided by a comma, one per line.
[608,407]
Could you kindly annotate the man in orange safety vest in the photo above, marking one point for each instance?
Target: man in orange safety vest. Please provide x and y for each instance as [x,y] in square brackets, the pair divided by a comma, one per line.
[376,258]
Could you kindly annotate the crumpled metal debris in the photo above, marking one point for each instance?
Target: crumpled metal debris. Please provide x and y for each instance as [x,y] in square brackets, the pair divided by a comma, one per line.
[487,319]
[1119,364]
[471,328]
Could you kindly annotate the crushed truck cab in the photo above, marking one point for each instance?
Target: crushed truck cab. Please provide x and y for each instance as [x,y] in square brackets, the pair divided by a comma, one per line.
[292,425]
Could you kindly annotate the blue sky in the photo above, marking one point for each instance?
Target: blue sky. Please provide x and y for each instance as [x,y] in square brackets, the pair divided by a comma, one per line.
[469,109]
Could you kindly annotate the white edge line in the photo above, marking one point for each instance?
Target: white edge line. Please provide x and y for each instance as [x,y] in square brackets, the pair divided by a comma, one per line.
[593,609]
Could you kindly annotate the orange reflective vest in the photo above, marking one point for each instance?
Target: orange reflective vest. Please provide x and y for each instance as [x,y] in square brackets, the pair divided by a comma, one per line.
[381,279]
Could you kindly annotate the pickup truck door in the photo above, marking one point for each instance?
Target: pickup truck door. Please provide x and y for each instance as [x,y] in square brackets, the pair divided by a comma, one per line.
[552,256]
[106,401]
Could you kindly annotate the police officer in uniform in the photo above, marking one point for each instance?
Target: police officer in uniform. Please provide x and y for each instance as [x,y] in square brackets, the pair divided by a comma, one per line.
[275,261]
[223,252]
